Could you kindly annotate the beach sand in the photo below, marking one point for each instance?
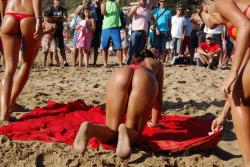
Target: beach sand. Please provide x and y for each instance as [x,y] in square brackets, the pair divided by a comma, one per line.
[188,90]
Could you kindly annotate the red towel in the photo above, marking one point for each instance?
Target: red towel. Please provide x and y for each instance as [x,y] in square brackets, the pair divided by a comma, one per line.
[58,122]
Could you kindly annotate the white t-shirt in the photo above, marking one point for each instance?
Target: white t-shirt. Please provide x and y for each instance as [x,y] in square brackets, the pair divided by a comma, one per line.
[217,30]
[188,27]
[141,19]
[177,29]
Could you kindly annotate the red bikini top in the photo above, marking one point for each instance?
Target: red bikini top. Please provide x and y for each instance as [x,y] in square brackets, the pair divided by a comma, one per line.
[232,30]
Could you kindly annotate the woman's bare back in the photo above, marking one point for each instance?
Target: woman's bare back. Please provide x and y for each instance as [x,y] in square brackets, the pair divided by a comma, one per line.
[19,6]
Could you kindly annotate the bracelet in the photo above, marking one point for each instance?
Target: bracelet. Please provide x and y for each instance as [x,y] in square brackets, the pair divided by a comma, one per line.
[39,17]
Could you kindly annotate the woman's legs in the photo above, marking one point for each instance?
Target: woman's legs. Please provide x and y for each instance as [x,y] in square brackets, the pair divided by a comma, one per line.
[30,50]
[75,55]
[80,57]
[45,58]
[116,103]
[57,58]
[51,55]
[240,109]
[11,43]
[86,57]
[140,102]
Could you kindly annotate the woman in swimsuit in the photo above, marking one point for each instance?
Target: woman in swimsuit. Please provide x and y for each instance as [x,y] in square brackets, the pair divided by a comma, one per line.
[235,14]
[22,21]
[134,91]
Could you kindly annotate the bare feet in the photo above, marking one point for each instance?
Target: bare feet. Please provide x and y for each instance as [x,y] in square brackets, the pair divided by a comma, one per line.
[4,116]
[123,146]
[82,137]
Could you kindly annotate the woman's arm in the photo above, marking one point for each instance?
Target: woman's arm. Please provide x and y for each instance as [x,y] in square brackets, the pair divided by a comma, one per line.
[132,12]
[220,120]
[3,4]
[78,9]
[156,111]
[103,7]
[37,8]
[37,11]
[234,15]
[93,25]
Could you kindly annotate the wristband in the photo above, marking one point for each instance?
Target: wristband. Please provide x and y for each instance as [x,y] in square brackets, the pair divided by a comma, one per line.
[39,17]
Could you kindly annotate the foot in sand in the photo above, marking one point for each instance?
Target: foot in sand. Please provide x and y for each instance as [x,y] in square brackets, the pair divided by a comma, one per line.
[123,146]
[82,137]
[4,116]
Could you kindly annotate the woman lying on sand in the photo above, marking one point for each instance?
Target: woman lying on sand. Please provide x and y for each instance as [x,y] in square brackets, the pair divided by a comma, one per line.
[235,14]
[22,21]
[132,93]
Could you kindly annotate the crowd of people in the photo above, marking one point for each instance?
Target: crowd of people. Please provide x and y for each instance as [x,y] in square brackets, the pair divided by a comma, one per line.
[104,27]
[102,24]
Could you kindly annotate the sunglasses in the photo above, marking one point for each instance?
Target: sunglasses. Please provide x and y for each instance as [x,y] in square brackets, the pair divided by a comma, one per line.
[162,1]
[209,39]
[179,9]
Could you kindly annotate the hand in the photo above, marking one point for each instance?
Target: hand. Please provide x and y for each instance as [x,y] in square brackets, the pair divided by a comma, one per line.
[209,55]
[228,82]
[38,31]
[218,123]
[157,31]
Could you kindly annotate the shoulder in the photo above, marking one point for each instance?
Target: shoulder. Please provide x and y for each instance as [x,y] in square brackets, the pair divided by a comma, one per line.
[156,10]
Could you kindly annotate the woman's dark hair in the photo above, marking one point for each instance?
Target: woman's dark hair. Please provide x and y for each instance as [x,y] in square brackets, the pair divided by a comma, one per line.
[141,55]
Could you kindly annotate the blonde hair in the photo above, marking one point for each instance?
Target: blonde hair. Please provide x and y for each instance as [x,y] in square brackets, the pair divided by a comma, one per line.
[209,6]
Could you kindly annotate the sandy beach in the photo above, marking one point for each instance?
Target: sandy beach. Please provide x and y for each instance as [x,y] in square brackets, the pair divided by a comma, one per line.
[188,90]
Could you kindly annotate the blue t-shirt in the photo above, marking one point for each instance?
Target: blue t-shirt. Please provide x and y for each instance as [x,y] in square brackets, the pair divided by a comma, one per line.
[164,19]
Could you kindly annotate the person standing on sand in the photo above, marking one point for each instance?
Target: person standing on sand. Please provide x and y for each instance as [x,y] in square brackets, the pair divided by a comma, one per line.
[48,41]
[235,15]
[134,91]
[60,16]
[111,29]
[85,29]
[22,22]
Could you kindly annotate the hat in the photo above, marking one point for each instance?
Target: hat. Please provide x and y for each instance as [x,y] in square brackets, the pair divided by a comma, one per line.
[209,36]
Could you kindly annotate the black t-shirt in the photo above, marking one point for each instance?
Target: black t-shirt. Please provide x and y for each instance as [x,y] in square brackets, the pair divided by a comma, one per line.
[60,12]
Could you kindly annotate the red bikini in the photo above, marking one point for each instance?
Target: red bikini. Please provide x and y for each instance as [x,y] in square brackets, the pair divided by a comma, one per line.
[19,16]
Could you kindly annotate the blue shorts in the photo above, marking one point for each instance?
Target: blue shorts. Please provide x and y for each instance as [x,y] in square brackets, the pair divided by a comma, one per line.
[111,34]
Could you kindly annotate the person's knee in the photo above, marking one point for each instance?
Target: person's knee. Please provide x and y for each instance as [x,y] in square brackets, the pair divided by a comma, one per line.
[9,71]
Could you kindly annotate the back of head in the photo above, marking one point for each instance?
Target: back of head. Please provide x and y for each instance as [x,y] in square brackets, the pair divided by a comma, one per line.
[141,55]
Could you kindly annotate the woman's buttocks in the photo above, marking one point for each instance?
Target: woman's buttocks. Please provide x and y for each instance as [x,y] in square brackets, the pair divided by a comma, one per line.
[20,6]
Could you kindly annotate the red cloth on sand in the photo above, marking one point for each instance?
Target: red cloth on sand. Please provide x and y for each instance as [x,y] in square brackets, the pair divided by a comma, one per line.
[58,122]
